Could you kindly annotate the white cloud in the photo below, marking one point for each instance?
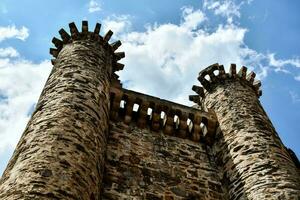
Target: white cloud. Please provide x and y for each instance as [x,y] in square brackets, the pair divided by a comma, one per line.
[225,8]
[12,32]
[8,52]
[165,59]
[295,97]
[21,83]
[118,24]
[192,19]
[283,63]
[94,6]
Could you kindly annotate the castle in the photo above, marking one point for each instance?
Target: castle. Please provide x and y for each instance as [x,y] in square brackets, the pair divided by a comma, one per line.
[89,138]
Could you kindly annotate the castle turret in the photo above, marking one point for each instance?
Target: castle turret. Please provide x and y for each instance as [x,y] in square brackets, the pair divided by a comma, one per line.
[156,149]
[61,153]
[255,163]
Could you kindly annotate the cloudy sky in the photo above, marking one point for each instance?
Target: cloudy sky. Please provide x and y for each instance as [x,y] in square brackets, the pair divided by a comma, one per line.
[166,44]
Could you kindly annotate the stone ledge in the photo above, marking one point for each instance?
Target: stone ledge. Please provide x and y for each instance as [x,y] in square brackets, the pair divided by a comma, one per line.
[159,114]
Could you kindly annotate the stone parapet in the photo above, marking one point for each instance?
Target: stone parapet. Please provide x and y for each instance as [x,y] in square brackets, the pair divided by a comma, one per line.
[174,119]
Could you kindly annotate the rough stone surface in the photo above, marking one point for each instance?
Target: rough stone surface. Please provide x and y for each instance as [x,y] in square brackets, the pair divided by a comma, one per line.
[142,164]
[72,150]
[256,164]
[61,153]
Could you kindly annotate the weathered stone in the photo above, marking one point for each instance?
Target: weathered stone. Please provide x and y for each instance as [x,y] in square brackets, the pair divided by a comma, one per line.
[150,148]
[251,153]
[166,165]
[63,146]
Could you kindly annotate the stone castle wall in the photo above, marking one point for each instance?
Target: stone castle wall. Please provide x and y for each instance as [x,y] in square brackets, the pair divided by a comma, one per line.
[158,150]
[91,139]
[143,164]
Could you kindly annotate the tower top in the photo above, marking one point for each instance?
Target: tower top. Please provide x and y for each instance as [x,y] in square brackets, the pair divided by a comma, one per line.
[85,34]
[215,74]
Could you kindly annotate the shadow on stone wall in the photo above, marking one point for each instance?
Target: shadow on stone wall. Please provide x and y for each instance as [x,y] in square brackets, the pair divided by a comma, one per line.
[232,184]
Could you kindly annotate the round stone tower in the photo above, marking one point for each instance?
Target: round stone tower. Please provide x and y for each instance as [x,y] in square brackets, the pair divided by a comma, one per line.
[61,153]
[255,163]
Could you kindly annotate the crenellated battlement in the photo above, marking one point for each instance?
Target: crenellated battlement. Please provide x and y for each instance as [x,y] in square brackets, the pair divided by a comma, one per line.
[94,36]
[215,74]
[162,115]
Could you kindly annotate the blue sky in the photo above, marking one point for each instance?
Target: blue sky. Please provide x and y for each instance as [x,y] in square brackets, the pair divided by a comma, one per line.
[166,44]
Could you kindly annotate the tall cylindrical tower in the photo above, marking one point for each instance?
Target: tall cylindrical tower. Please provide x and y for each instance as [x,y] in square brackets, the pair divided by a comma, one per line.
[61,153]
[255,163]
